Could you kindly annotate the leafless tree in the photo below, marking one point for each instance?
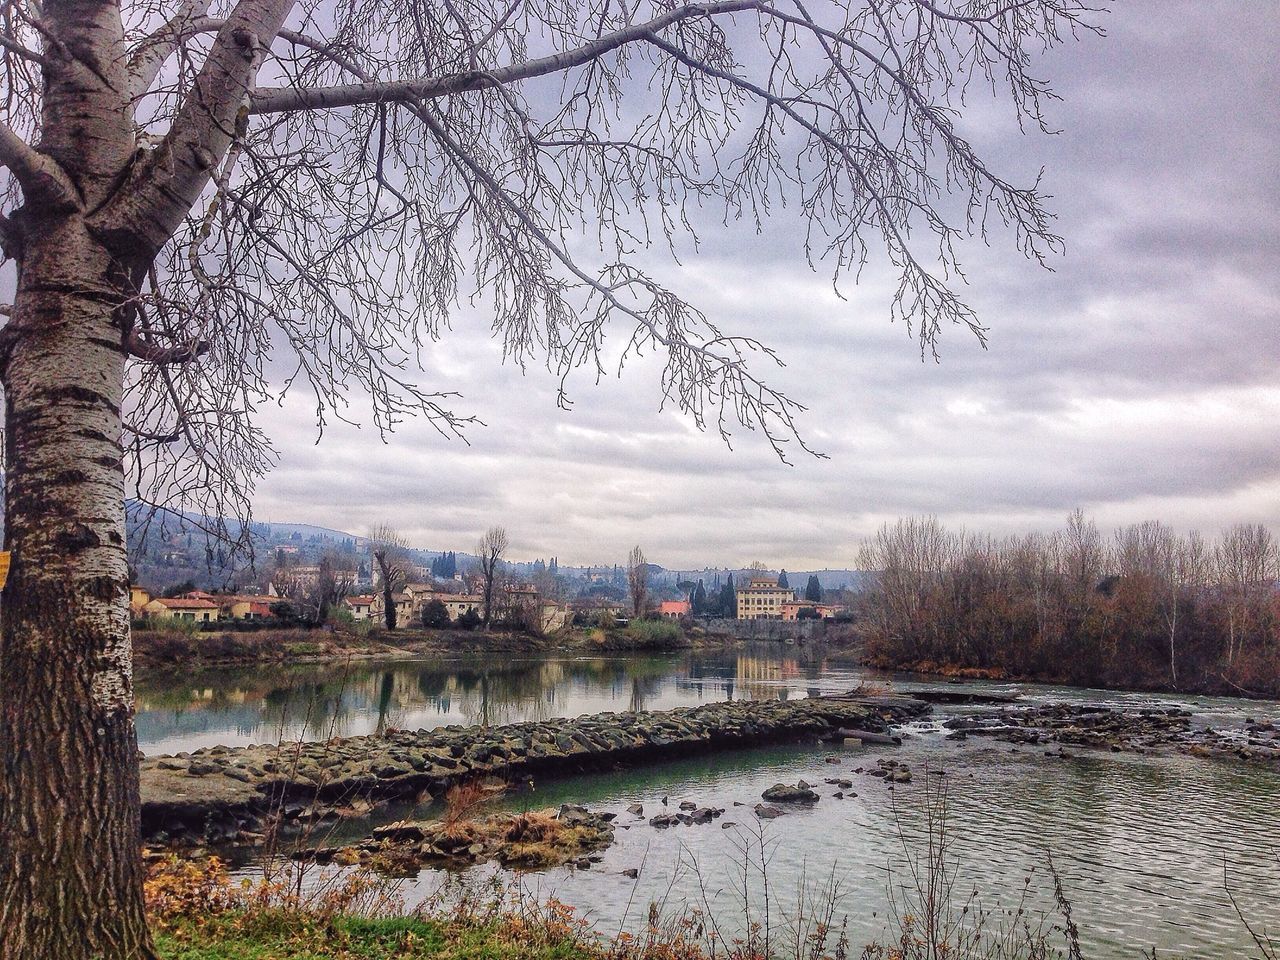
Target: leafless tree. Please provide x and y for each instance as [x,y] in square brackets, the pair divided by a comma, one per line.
[489,552]
[391,566]
[1246,565]
[334,580]
[201,195]
[638,581]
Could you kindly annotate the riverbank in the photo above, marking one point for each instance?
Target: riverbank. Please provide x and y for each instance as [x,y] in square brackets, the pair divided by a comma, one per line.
[1219,686]
[221,794]
[159,650]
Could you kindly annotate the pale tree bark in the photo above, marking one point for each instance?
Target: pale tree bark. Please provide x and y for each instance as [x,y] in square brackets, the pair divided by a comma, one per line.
[70,870]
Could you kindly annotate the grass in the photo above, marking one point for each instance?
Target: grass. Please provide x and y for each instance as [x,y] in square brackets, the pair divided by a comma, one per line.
[295,936]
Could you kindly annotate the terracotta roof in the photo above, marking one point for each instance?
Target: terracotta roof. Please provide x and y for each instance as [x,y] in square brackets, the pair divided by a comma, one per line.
[364,598]
[185,603]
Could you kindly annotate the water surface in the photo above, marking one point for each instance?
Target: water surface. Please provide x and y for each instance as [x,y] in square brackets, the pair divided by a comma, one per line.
[1145,846]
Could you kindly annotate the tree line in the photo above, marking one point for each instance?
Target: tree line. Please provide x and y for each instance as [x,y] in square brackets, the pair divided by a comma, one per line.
[1146,606]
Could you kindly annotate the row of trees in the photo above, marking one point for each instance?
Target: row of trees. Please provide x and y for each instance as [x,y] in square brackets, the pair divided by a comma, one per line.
[1146,605]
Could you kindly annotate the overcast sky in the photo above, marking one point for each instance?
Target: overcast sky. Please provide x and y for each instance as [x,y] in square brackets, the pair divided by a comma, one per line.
[1138,380]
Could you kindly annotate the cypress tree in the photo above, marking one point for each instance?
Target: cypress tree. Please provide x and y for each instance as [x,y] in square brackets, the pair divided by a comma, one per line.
[813,590]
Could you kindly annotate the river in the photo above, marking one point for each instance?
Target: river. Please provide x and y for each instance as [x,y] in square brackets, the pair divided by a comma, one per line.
[1145,845]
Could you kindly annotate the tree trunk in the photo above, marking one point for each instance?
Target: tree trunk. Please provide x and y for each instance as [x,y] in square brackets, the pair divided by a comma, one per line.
[70,866]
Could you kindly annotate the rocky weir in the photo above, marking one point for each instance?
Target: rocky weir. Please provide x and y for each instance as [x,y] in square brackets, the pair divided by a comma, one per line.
[230,795]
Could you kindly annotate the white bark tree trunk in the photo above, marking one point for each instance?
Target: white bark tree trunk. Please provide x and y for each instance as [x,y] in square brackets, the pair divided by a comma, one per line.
[70,870]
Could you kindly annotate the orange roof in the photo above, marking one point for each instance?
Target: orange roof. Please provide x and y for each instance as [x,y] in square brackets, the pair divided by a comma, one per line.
[364,598]
[673,606]
[185,603]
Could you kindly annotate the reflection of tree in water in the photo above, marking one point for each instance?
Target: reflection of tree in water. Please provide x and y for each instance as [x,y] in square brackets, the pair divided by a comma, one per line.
[316,701]
[385,690]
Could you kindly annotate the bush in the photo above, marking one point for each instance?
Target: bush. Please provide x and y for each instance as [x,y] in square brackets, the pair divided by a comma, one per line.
[469,620]
[655,633]
[435,615]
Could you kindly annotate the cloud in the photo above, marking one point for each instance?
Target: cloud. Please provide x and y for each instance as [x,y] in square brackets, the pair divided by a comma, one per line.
[1136,379]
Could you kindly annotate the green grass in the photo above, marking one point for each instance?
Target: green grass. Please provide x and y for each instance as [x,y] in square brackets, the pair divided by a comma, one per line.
[281,936]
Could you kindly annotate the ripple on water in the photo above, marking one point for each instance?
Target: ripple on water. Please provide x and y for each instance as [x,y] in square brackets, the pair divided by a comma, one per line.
[1140,842]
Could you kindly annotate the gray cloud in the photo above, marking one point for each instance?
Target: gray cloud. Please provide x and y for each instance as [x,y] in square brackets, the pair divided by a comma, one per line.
[1137,379]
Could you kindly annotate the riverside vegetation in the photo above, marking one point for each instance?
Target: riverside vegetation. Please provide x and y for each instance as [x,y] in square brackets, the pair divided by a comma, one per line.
[1147,609]
[159,646]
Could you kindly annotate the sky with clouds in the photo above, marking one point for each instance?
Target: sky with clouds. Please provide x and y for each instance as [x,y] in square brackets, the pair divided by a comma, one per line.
[1136,380]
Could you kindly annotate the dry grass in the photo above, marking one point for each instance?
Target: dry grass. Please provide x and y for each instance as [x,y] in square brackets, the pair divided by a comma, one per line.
[463,801]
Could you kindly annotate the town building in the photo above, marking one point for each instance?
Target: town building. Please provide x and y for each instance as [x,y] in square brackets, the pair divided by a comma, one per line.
[181,608]
[791,610]
[674,609]
[359,606]
[762,599]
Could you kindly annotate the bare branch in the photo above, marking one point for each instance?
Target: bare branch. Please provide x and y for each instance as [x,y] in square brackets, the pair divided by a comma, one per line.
[43,181]
[284,100]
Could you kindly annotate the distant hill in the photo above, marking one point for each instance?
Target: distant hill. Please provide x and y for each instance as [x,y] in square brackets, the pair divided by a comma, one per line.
[284,531]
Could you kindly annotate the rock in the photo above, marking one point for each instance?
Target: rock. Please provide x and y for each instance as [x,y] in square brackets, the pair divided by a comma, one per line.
[688,805]
[664,820]
[782,793]
[400,832]
[766,812]
[631,872]
[636,809]
[572,814]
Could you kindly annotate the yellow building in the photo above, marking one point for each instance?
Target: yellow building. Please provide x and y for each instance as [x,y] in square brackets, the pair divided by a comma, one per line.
[459,603]
[138,600]
[181,608]
[763,599]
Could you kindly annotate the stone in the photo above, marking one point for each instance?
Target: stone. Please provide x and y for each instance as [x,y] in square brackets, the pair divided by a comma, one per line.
[636,809]
[401,832]
[782,793]
[766,812]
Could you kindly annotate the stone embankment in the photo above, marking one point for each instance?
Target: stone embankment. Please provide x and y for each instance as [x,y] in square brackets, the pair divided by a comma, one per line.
[222,794]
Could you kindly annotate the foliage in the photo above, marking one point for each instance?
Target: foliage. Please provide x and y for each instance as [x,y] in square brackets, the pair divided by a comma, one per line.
[435,614]
[468,620]
[698,601]
[660,634]
[813,589]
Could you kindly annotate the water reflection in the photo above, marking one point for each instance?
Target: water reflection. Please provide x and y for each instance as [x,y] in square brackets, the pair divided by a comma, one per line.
[248,705]
[1141,842]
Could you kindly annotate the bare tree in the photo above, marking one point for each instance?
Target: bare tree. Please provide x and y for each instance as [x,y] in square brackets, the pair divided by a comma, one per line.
[489,551]
[638,581]
[391,567]
[334,580]
[1246,564]
[197,191]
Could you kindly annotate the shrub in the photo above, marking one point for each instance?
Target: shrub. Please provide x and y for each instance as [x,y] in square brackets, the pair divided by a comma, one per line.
[655,633]
[435,615]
